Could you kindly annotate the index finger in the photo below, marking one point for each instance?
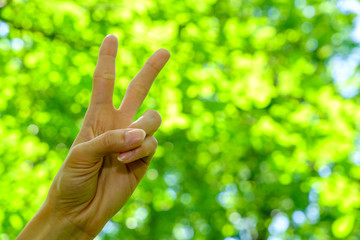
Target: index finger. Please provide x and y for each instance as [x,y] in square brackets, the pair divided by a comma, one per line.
[141,83]
[104,74]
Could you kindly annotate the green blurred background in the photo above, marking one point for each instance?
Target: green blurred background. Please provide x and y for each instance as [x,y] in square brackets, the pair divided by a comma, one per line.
[260,106]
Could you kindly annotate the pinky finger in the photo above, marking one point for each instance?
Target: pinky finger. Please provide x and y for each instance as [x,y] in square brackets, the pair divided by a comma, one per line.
[147,148]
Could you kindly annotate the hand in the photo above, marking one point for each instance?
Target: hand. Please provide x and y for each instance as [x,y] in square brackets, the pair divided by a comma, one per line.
[92,184]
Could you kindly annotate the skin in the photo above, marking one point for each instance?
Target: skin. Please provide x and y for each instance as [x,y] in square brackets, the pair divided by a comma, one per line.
[93,185]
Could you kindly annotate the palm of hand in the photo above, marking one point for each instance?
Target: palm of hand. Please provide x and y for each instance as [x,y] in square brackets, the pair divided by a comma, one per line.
[89,194]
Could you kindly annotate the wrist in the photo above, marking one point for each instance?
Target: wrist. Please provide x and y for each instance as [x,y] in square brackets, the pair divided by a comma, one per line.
[48,224]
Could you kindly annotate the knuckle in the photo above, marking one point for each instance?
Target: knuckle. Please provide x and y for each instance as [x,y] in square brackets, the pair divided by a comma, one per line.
[99,126]
[138,88]
[104,77]
[152,66]
[79,152]
[76,150]
[121,138]
[108,139]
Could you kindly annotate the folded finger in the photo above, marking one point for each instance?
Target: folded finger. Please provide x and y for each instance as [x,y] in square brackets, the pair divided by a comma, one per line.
[150,121]
[110,142]
[147,148]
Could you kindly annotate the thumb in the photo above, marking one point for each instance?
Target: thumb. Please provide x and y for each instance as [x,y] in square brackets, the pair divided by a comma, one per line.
[113,141]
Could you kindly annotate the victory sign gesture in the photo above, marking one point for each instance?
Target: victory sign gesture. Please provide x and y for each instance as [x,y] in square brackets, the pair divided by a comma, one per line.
[108,158]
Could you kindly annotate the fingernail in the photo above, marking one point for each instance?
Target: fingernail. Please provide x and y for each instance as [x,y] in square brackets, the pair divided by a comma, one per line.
[122,157]
[134,136]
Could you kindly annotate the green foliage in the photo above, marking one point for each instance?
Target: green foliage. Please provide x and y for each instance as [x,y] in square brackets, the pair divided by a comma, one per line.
[251,117]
